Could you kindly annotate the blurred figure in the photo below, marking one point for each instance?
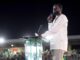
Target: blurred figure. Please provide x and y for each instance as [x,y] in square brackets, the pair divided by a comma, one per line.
[23,56]
[57,32]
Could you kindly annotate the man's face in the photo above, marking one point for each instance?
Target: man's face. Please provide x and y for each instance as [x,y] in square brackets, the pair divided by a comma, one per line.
[56,9]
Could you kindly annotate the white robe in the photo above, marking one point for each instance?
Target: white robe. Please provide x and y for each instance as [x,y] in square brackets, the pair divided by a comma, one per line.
[57,33]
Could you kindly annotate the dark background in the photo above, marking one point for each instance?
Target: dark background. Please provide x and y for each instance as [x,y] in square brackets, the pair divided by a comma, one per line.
[20,18]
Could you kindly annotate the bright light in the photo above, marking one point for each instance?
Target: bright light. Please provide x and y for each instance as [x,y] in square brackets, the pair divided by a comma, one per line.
[12,45]
[15,52]
[2,40]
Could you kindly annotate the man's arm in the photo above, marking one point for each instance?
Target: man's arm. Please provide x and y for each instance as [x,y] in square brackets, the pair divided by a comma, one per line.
[59,24]
[62,21]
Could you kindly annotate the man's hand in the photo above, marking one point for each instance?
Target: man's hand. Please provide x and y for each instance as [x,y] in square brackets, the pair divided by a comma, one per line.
[50,18]
[36,34]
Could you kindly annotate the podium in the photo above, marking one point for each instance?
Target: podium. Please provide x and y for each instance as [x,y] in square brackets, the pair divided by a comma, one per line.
[33,48]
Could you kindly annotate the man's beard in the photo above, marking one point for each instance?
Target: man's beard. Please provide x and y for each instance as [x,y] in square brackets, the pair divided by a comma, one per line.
[55,13]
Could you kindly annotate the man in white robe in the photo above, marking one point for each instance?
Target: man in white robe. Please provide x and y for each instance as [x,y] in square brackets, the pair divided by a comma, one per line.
[57,33]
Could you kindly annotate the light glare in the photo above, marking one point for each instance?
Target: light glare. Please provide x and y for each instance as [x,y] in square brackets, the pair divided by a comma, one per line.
[2,40]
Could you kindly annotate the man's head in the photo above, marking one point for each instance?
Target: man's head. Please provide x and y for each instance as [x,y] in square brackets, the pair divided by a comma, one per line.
[57,8]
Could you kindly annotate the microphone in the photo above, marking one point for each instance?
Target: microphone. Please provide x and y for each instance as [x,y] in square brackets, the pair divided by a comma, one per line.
[40,28]
[50,18]
[38,32]
[53,15]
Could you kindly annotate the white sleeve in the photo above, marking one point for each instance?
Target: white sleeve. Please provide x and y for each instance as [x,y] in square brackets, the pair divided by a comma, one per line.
[59,24]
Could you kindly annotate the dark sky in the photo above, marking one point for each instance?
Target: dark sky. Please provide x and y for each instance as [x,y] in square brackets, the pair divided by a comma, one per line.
[22,18]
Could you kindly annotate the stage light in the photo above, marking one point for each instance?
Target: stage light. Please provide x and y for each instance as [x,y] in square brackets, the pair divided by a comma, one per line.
[2,40]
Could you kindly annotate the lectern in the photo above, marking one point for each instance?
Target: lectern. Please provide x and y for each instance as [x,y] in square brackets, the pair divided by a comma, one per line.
[33,48]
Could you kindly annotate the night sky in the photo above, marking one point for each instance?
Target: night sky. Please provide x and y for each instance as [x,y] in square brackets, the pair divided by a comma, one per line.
[22,18]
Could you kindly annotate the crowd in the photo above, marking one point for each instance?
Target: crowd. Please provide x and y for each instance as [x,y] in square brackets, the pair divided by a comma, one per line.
[15,57]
